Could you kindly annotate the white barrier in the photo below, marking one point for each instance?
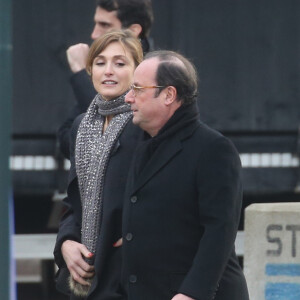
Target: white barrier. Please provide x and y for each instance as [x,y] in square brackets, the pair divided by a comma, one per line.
[248,160]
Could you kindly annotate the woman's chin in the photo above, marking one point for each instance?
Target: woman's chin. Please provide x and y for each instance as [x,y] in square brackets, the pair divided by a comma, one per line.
[110,96]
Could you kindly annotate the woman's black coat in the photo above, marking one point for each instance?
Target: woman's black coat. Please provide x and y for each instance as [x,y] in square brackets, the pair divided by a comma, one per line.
[180,218]
[108,259]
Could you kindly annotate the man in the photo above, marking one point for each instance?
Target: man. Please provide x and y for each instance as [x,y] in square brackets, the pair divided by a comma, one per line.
[136,15]
[183,197]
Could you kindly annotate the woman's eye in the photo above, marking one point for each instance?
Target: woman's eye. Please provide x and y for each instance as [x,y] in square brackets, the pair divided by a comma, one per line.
[99,63]
[120,64]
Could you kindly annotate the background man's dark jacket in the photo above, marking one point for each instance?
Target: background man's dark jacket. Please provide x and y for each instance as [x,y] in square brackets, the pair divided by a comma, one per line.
[84,92]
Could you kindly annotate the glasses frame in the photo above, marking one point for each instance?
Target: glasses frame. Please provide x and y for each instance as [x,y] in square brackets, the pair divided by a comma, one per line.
[135,88]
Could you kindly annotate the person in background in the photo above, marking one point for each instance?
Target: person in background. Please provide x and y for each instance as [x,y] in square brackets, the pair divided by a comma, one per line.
[102,143]
[183,197]
[136,15]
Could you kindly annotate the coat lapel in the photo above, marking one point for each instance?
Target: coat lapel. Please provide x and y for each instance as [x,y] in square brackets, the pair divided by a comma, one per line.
[162,156]
[165,152]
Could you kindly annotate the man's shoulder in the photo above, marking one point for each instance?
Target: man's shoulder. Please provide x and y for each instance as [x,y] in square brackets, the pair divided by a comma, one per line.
[212,140]
[210,137]
[207,132]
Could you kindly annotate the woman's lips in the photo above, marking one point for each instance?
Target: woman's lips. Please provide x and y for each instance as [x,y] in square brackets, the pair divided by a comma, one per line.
[109,82]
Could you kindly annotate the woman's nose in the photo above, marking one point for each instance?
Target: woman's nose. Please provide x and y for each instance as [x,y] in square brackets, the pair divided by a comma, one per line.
[108,69]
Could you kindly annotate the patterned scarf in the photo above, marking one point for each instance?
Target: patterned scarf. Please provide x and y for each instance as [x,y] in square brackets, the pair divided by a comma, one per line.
[92,153]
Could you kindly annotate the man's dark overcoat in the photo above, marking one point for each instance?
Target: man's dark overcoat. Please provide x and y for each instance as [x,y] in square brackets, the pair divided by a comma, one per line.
[181,214]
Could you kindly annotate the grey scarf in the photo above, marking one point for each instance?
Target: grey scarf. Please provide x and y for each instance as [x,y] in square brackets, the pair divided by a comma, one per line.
[92,153]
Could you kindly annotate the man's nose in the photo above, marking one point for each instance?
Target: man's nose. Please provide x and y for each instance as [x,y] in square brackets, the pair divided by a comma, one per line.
[129,98]
[96,33]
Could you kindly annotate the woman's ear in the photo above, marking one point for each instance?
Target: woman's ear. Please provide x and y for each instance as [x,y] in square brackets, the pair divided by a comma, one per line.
[136,29]
[171,95]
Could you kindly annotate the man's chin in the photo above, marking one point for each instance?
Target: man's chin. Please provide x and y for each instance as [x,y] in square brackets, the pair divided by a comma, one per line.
[137,122]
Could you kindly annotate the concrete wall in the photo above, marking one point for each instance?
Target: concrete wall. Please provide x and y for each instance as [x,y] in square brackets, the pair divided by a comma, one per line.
[272,251]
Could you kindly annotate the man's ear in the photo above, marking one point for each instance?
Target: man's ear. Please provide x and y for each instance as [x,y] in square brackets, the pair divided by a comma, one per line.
[171,95]
[136,29]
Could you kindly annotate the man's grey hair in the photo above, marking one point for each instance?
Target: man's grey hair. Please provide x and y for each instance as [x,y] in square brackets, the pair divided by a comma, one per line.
[176,70]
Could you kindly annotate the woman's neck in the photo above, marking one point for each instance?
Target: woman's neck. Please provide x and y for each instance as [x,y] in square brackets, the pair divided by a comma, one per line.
[107,120]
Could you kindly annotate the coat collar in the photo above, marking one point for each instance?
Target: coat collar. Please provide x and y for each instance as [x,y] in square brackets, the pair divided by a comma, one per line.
[165,152]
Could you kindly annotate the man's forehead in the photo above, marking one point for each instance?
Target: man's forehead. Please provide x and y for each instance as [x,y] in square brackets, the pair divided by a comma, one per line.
[102,14]
[146,70]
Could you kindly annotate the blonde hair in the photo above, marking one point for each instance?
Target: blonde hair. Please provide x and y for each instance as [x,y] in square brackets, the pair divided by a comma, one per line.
[124,37]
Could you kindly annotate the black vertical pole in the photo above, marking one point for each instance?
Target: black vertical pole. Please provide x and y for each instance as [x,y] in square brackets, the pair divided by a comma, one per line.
[5,122]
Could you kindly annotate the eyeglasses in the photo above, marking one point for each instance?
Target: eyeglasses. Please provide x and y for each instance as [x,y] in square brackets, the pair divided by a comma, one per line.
[135,89]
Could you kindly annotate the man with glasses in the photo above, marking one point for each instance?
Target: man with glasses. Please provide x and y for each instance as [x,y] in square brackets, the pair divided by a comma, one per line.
[183,198]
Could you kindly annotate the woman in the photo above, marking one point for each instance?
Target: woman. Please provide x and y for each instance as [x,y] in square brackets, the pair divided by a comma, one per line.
[102,143]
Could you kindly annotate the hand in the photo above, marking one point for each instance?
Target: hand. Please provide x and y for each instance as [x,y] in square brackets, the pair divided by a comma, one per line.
[73,253]
[118,243]
[77,56]
[182,297]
